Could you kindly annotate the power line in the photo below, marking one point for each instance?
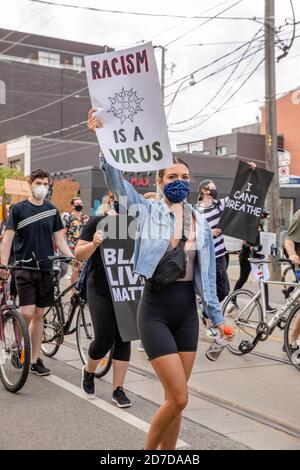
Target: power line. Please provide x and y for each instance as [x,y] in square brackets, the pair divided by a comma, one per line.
[219,70]
[218,59]
[52,49]
[43,107]
[221,88]
[179,23]
[91,144]
[26,36]
[136,13]
[22,24]
[223,104]
[204,23]
[214,73]
[287,48]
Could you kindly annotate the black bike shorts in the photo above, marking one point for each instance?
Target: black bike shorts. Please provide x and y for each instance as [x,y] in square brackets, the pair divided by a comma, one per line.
[168,321]
[35,288]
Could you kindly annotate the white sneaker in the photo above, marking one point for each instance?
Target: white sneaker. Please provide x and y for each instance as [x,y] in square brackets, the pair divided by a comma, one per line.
[141,347]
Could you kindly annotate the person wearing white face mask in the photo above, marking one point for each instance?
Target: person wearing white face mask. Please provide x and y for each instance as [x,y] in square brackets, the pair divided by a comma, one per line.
[34,225]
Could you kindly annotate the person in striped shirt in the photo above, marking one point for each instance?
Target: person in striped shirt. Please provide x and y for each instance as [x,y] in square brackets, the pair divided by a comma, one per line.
[211,208]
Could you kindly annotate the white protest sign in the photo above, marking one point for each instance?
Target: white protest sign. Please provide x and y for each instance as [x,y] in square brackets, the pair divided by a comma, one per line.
[124,88]
[232,244]
[258,273]
[268,242]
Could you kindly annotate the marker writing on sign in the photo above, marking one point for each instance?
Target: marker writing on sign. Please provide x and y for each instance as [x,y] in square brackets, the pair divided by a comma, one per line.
[122,65]
[125,284]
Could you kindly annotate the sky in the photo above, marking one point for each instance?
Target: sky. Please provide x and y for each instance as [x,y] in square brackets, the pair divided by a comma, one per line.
[230,97]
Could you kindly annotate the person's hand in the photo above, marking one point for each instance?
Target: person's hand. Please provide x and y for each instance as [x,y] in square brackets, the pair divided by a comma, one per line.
[252,164]
[221,327]
[76,263]
[294,259]
[98,238]
[216,232]
[93,122]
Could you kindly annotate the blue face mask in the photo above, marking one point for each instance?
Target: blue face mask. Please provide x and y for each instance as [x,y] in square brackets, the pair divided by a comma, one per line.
[177,191]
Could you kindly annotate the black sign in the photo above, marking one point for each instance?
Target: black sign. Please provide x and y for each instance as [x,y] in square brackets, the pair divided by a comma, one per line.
[243,209]
[125,286]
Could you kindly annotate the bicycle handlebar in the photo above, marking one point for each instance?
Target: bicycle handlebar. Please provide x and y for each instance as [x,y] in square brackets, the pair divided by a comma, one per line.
[66,259]
[18,265]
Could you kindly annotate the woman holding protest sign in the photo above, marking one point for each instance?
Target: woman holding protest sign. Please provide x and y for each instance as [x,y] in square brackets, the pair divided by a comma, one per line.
[103,316]
[174,252]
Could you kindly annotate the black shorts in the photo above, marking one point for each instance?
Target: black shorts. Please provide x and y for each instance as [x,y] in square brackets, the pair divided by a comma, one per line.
[35,288]
[168,321]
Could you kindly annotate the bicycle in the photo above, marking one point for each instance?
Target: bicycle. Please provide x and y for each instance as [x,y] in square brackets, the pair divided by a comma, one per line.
[15,348]
[246,312]
[59,317]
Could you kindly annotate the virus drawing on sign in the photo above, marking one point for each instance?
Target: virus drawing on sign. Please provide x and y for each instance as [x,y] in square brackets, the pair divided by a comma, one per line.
[125,105]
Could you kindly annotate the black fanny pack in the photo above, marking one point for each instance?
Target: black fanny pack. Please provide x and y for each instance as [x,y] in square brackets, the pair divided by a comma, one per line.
[172,265]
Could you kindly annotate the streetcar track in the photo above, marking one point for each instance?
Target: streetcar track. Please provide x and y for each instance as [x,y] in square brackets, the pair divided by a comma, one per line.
[227,404]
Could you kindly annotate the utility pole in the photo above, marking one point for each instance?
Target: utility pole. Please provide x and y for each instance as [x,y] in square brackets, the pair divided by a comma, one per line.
[273,199]
[162,74]
[162,69]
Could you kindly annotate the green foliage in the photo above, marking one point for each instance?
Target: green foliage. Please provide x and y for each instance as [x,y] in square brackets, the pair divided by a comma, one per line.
[6,172]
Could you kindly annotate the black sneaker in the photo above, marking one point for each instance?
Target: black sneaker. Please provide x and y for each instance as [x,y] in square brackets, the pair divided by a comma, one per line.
[87,383]
[119,397]
[38,368]
[293,348]
[271,309]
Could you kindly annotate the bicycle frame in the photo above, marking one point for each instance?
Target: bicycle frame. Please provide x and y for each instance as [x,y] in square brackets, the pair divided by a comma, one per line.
[272,323]
[60,310]
[6,305]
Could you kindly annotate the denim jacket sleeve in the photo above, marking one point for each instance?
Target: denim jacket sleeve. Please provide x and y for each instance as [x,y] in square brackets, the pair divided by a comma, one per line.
[120,187]
[213,309]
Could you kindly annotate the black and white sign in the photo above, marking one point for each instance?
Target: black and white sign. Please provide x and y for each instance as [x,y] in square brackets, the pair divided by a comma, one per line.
[243,209]
[125,286]
[125,90]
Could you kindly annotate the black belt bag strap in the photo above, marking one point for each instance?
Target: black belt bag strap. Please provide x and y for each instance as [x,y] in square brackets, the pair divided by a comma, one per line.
[171,267]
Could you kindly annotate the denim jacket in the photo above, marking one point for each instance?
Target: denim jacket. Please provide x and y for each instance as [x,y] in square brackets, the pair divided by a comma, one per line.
[155,228]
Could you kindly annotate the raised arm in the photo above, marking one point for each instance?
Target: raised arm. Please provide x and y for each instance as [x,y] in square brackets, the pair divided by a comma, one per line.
[113,177]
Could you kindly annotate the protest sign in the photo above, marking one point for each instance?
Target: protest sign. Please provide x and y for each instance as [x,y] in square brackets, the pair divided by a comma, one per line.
[232,245]
[124,88]
[17,188]
[125,286]
[243,209]
[268,242]
[258,271]
[63,192]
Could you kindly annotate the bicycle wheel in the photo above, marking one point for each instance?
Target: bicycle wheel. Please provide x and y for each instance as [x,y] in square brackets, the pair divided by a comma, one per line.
[84,337]
[288,275]
[244,318]
[292,328]
[14,350]
[52,332]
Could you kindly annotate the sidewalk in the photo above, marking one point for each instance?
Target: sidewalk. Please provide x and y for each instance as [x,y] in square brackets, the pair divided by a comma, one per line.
[251,399]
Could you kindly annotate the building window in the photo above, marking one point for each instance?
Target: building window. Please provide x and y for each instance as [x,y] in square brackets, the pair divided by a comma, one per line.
[196,146]
[49,58]
[15,163]
[77,62]
[221,150]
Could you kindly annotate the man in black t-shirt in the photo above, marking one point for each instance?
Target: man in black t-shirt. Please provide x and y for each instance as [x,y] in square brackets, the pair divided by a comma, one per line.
[34,225]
